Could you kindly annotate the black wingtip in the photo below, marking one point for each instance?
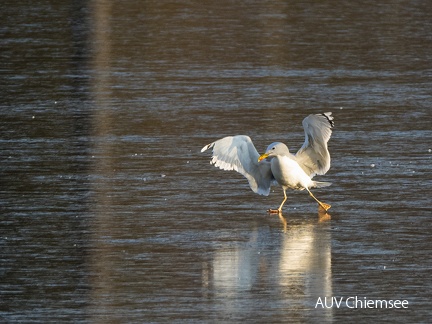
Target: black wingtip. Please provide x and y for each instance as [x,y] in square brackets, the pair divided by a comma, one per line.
[329,118]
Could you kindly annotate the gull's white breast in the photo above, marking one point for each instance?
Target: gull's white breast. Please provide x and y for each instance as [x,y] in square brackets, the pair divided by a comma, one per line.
[288,173]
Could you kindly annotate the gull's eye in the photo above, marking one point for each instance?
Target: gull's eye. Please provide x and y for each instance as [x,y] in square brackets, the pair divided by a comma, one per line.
[273,148]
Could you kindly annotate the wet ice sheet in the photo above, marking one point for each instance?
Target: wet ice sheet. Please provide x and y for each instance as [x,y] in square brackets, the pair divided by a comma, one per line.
[109,211]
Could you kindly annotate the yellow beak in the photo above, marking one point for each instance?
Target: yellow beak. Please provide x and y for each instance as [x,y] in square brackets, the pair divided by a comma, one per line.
[262,157]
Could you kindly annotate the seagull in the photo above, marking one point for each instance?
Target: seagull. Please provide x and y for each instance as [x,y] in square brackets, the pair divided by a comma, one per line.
[277,165]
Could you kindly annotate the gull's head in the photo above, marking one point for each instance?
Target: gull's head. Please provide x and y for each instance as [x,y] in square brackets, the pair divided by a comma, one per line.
[276,148]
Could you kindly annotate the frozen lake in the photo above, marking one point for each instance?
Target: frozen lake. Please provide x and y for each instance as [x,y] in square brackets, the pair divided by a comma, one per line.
[109,213]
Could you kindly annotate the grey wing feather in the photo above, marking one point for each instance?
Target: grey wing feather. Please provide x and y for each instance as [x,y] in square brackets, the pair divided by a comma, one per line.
[313,156]
[239,154]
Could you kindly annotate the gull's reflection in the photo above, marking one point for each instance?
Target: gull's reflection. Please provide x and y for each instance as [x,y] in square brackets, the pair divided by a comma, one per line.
[323,216]
[290,268]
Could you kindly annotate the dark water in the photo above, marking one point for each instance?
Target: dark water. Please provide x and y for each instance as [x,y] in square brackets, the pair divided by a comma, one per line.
[109,213]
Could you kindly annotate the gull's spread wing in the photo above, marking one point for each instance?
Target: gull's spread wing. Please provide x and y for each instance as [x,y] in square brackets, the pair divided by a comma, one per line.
[313,156]
[239,154]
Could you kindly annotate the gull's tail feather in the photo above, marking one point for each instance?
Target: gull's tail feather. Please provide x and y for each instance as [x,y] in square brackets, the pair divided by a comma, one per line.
[321,184]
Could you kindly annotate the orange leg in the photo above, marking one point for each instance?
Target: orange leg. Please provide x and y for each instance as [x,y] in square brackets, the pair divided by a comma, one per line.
[279,210]
[323,205]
